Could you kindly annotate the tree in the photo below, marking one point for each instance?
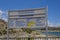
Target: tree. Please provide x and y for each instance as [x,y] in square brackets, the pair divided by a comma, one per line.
[11,31]
[28,30]
[0,33]
[4,31]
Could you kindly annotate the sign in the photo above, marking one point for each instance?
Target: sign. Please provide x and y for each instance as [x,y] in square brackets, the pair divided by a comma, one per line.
[34,18]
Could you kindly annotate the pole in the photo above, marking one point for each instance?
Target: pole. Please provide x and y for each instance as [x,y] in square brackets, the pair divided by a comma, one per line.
[8,28]
[46,23]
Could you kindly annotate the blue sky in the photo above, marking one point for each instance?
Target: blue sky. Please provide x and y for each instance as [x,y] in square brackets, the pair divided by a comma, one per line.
[53,8]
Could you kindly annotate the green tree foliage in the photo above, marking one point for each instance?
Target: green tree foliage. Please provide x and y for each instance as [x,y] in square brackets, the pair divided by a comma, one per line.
[11,31]
[4,31]
[0,33]
[28,30]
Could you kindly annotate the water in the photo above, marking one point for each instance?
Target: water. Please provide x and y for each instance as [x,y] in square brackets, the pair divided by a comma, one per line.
[53,33]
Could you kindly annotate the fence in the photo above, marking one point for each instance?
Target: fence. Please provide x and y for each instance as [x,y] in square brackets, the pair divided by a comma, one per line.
[32,38]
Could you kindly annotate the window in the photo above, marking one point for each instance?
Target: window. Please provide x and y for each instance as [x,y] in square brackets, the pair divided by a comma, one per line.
[11,23]
[40,22]
[20,23]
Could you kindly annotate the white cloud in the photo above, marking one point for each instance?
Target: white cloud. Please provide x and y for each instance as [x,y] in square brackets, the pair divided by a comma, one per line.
[51,24]
[3,17]
[1,12]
